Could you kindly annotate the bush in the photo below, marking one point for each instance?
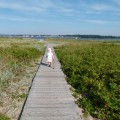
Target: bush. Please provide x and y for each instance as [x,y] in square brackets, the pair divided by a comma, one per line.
[25,54]
[94,71]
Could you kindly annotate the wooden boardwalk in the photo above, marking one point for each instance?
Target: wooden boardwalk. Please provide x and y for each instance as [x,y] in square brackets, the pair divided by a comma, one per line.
[49,97]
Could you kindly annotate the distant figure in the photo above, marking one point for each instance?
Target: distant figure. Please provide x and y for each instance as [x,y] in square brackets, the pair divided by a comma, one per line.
[49,57]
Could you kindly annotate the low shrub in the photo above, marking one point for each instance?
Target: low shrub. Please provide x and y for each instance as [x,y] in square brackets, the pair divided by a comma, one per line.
[94,71]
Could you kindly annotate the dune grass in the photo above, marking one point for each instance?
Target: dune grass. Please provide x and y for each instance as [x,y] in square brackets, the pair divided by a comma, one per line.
[17,67]
[3,117]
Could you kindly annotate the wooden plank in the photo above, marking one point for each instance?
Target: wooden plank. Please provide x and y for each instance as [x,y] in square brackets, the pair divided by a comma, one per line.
[50,97]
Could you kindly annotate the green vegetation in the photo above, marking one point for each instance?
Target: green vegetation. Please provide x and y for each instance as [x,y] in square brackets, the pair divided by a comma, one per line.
[93,69]
[3,117]
[91,36]
[16,58]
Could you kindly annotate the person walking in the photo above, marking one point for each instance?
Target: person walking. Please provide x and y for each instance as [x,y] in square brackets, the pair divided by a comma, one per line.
[49,57]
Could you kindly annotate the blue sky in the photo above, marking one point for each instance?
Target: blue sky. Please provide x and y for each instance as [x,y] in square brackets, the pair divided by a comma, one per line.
[60,17]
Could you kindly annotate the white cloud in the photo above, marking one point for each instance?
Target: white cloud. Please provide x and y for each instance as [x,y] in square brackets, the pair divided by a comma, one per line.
[21,6]
[95,21]
[66,10]
[117,1]
[56,8]
[95,7]
[38,6]
[17,18]
[92,12]
[100,7]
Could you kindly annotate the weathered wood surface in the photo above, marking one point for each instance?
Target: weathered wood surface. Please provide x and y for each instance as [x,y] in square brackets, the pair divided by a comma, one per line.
[49,97]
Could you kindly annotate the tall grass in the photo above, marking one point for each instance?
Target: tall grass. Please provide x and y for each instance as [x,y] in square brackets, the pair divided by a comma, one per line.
[16,58]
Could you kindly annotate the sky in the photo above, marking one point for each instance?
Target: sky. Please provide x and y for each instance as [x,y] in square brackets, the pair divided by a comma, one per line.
[60,17]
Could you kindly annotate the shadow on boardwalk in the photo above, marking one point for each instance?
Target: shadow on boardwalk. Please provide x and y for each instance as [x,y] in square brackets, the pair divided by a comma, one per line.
[44,64]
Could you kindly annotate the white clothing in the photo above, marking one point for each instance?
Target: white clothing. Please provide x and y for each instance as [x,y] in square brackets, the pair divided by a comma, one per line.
[49,57]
